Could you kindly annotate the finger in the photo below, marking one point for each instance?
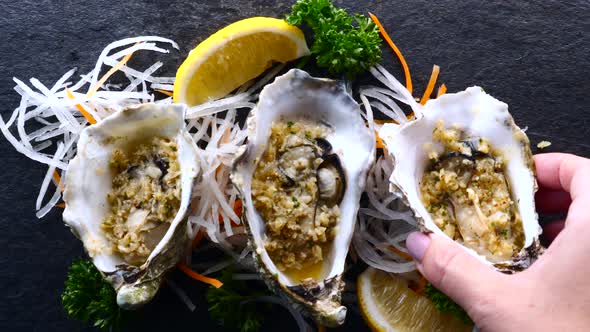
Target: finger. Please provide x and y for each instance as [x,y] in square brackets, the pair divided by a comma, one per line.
[578,211]
[454,271]
[556,170]
[551,230]
[552,201]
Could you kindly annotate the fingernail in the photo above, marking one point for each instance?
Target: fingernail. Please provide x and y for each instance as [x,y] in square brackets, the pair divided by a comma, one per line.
[417,243]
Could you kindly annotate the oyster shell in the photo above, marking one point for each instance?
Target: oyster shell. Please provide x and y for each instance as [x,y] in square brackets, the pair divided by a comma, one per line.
[340,160]
[89,180]
[469,139]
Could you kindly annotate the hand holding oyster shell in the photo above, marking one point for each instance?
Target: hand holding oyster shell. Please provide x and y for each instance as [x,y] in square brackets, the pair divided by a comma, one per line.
[553,293]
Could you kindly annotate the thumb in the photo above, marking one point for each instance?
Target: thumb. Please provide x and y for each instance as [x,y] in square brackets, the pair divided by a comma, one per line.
[451,269]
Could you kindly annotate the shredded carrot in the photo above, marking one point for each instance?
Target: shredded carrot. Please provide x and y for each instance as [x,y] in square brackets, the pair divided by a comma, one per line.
[401,253]
[187,270]
[108,74]
[57,178]
[321,328]
[383,121]
[422,285]
[61,205]
[198,238]
[87,115]
[442,89]
[395,50]
[164,92]
[237,210]
[238,207]
[431,84]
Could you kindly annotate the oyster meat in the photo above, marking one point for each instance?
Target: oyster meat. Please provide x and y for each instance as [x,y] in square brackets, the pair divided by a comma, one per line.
[467,172]
[127,195]
[300,177]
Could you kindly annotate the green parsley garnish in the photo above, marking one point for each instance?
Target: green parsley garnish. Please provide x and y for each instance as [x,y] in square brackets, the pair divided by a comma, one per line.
[297,204]
[342,43]
[445,305]
[232,304]
[89,298]
[503,232]
[290,124]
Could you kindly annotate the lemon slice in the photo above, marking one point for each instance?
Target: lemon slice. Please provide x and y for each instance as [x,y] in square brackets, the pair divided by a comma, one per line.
[387,304]
[234,55]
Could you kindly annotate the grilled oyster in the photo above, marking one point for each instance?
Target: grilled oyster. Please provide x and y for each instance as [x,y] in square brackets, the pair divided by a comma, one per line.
[127,194]
[300,178]
[467,172]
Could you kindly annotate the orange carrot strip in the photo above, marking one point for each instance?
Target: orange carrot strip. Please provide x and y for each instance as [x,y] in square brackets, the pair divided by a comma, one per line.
[237,210]
[80,108]
[380,144]
[384,121]
[199,277]
[422,285]
[164,92]
[108,74]
[238,207]
[321,328]
[401,253]
[198,238]
[395,50]
[57,178]
[442,89]
[431,84]
[61,205]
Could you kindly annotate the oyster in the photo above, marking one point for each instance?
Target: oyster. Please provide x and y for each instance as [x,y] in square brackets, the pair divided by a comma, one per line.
[467,172]
[300,177]
[127,195]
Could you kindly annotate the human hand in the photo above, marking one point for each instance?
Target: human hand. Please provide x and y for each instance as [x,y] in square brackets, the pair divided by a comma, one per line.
[551,295]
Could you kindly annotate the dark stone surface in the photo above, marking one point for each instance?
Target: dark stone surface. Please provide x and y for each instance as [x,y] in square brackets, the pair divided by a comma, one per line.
[532,55]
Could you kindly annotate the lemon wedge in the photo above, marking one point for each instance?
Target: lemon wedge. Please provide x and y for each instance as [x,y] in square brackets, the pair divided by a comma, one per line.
[387,304]
[234,55]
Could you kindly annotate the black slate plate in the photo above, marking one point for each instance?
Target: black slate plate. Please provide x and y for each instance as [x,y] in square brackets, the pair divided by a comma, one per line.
[532,55]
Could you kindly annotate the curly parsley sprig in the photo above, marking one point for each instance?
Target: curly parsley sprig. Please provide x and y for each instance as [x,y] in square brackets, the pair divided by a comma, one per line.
[88,297]
[232,304]
[445,304]
[343,43]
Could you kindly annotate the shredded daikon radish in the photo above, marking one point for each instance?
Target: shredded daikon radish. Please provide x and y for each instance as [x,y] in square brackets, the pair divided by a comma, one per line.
[120,43]
[49,175]
[383,222]
[387,103]
[218,266]
[47,116]
[215,128]
[165,87]
[395,86]
[181,294]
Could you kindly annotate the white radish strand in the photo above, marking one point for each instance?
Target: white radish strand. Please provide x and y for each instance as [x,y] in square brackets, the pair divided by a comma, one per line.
[41,106]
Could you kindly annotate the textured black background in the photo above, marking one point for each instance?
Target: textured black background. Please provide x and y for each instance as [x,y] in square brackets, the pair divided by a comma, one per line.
[532,55]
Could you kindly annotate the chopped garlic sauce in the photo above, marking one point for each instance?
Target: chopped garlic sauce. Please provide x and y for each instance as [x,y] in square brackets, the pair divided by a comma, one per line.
[145,198]
[468,196]
[299,227]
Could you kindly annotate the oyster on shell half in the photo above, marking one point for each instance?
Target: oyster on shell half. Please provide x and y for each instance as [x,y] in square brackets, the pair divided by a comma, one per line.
[467,172]
[300,178]
[129,158]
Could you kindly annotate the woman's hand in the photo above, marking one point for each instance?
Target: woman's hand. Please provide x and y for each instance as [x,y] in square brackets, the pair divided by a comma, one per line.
[551,295]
